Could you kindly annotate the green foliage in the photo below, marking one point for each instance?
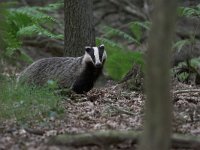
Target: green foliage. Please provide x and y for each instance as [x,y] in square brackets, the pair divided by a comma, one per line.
[120,60]
[195,62]
[2,24]
[27,22]
[137,27]
[26,103]
[189,67]
[180,44]
[188,11]
[110,32]
[120,57]
[183,76]
[49,7]
[51,84]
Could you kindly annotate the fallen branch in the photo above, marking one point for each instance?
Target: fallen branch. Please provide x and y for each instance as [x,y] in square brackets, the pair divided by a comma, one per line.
[185,141]
[122,110]
[100,138]
[34,131]
[186,91]
[106,138]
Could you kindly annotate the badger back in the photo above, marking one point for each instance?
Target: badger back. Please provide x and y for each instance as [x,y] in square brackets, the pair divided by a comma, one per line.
[64,70]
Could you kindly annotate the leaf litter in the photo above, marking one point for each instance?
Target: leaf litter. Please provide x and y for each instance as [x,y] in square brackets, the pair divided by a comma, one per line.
[108,108]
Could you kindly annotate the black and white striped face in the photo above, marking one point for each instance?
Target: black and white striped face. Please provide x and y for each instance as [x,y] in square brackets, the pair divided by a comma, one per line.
[95,55]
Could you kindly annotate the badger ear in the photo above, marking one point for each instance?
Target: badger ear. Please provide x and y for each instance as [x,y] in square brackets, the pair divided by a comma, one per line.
[87,48]
[101,47]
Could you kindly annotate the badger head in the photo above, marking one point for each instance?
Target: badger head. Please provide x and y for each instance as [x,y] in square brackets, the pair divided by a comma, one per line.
[95,56]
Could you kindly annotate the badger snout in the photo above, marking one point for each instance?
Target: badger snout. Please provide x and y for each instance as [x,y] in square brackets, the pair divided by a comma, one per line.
[98,65]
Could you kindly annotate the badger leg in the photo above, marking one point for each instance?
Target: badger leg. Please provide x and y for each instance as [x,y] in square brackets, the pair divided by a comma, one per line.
[82,86]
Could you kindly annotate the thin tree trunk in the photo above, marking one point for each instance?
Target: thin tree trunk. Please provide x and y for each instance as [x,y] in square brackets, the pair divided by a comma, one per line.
[158,105]
[79,26]
[2,29]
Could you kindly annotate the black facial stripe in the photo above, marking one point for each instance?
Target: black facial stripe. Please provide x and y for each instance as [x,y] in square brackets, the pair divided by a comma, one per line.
[101,51]
[91,53]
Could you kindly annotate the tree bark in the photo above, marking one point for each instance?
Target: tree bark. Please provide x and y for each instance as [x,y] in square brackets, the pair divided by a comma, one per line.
[2,29]
[79,26]
[158,105]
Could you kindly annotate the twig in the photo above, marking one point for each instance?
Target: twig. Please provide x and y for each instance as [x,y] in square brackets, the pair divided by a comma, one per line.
[34,131]
[186,91]
[123,111]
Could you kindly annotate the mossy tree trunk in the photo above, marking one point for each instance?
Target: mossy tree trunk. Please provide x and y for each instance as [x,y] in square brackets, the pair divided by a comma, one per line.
[2,29]
[79,26]
[158,105]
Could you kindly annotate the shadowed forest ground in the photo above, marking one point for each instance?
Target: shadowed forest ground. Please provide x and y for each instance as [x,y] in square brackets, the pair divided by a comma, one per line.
[101,109]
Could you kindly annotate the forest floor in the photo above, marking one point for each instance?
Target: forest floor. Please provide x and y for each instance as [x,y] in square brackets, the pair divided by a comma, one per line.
[103,108]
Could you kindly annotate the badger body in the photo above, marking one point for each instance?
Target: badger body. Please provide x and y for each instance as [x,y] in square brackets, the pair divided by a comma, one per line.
[77,73]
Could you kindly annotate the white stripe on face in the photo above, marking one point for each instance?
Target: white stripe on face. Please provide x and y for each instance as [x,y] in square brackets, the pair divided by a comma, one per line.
[87,58]
[96,54]
[104,55]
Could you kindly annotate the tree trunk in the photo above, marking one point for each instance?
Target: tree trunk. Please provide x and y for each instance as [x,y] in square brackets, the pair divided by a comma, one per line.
[158,105]
[2,29]
[79,26]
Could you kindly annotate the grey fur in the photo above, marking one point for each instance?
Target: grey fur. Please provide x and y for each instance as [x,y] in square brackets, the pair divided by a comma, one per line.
[64,70]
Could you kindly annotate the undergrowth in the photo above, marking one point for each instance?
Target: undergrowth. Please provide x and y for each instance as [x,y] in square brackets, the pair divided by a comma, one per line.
[120,57]
[120,60]
[25,103]
[26,22]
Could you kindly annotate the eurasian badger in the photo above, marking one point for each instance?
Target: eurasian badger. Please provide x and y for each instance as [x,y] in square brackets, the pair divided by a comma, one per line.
[77,73]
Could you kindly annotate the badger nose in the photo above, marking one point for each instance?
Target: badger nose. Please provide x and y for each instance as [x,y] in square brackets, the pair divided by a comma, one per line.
[98,65]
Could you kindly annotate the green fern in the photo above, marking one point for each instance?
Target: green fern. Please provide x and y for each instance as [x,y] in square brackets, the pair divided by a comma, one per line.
[120,59]
[36,30]
[195,62]
[109,42]
[33,14]
[110,32]
[27,21]
[137,27]
[188,11]
[180,44]
[50,7]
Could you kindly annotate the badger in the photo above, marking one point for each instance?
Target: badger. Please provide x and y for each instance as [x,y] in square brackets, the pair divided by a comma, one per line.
[76,73]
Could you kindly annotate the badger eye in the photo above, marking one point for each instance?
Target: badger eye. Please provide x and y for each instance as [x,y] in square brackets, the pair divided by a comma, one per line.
[88,49]
[101,47]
